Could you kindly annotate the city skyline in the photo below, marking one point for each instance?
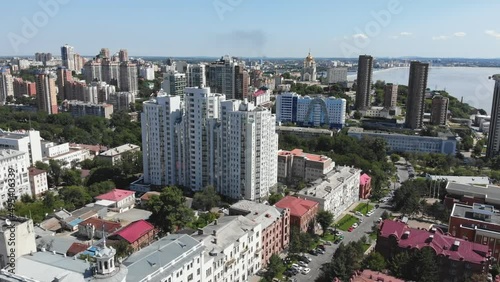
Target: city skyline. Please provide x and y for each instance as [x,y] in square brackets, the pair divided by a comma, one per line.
[242,28]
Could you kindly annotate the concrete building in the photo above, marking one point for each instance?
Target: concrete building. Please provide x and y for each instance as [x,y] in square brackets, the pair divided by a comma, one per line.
[38,181]
[439,110]
[16,239]
[6,85]
[336,192]
[123,55]
[100,92]
[415,103]
[64,153]
[158,122]
[119,200]
[228,77]
[304,132]
[337,75]
[380,112]
[174,84]
[471,193]
[128,77]
[46,93]
[121,101]
[308,111]
[275,225]
[16,160]
[97,228]
[25,141]
[114,155]
[64,75]
[247,141]
[111,72]
[494,130]
[477,223]
[80,109]
[302,212]
[365,186]
[390,95]
[196,75]
[309,69]
[446,144]
[22,87]
[232,248]
[364,82]
[295,166]
[147,72]
[68,57]
[455,257]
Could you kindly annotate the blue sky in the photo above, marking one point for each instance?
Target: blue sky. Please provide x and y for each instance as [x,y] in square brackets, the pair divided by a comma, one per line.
[254,28]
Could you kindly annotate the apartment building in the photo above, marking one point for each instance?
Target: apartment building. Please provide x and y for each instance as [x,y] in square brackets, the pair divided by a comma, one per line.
[114,155]
[295,165]
[24,141]
[16,160]
[38,181]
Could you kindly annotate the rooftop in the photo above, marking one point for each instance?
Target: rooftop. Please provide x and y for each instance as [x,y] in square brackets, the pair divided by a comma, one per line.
[160,256]
[321,187]
[119,150]
[148,195]
[223,232]
[261,213]
[298,207]
[36,171]
[135,230]
[444,245]
[304,129]
[364,178]
[101,224]
[20,134]
[115,195]
[490,193]
[8,153]
[470,180]
[373,276]
[477,212]
[300,153]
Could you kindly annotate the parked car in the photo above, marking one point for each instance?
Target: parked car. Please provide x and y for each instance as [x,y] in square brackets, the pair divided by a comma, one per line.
[320,251]
[322,247]
[358,213]
[327,243]
[295,266]
[360,219]
[313,252]
[306,270]
[302,263]
[355,225]
[350,229]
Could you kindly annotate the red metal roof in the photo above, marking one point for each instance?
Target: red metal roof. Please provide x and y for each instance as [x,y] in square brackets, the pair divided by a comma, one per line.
[135,230]
[442,244]
[298,207]
[258,93]
[364,178]
[100,224]
[115,195]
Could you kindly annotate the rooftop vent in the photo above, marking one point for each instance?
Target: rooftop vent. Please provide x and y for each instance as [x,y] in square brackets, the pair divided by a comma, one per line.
[433,229]
[406,234]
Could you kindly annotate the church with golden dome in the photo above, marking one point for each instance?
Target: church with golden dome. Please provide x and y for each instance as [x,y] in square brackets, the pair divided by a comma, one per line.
[309,69]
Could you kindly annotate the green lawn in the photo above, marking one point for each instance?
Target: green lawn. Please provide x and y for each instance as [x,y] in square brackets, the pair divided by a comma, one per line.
[364,208]
[328,237]
[373,236]
[346,222]
[365,247]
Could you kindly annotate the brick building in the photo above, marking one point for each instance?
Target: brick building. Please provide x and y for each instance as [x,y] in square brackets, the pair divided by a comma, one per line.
[302,212]
[138,234]
[296,166]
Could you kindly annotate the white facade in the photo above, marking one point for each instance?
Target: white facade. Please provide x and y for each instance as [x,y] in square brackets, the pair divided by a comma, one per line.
[16,160]
[309,69]
[337,75]
[381,112]
[24,141]
[174,83]
[91,94]
[147,72]
[158,120]
[38,181]
[337,193]
[196,75]
[232,249]
[22,233]
[6,85]
[195,132]
[63,153]
[248,143]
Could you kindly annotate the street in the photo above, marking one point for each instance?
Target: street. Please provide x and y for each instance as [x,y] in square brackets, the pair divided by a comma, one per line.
[364,228]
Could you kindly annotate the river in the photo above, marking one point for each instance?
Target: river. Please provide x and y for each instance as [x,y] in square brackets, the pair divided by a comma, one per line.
[471,83]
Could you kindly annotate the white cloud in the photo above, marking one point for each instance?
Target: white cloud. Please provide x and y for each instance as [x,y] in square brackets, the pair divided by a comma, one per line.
[440,37]
[493,33]
[360,35]
[459,34]
[405,33]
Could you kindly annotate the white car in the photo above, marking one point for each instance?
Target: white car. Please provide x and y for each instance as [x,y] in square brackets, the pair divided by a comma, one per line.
[358,213]
[301,263]
[295,266]
[306,270]
[355,225]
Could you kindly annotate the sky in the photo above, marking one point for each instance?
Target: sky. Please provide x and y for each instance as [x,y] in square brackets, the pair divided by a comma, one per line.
[254,28]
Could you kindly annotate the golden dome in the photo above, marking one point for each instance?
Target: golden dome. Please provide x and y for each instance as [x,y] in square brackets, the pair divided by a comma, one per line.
[309,57]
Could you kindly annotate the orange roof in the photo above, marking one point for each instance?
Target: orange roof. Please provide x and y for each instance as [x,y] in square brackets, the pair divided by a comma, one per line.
[300,153]
[35,171]
[298,207]
[148,195]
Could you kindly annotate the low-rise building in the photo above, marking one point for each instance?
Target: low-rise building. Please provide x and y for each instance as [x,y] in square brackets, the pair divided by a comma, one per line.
[233,247]
[456,258]
[17,238]
[38,181]
[63,153]
[295,166]
[114,155]
[445,144]
[137,234]
[469,193]
[368,275]
[381,112]
[275,225]
[118,200]
[365,186]
[70,220]
[336,192]
[147,196]
[97,228]
[477,223]
[304,132]
[302,211]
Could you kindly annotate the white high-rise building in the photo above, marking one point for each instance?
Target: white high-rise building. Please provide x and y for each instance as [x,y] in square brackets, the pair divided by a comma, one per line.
[68,57]
[337,75]
[196,75]
[174,83]
[248,142]
[24,141]
[158,120]
[147,72]
[6,85]
[16,160]
[195,137]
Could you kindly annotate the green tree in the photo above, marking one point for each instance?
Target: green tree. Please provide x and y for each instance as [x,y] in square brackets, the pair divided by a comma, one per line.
[275,267]
[400,266]
[99,188]
[55,171]
[203,220]
[169,211]
[357,115]
[395,158]
[385,215]
[375,261]
[75,196]
[123,249]
[325,219]
[274,198]
[206,199]
[424,266]
[71,177]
